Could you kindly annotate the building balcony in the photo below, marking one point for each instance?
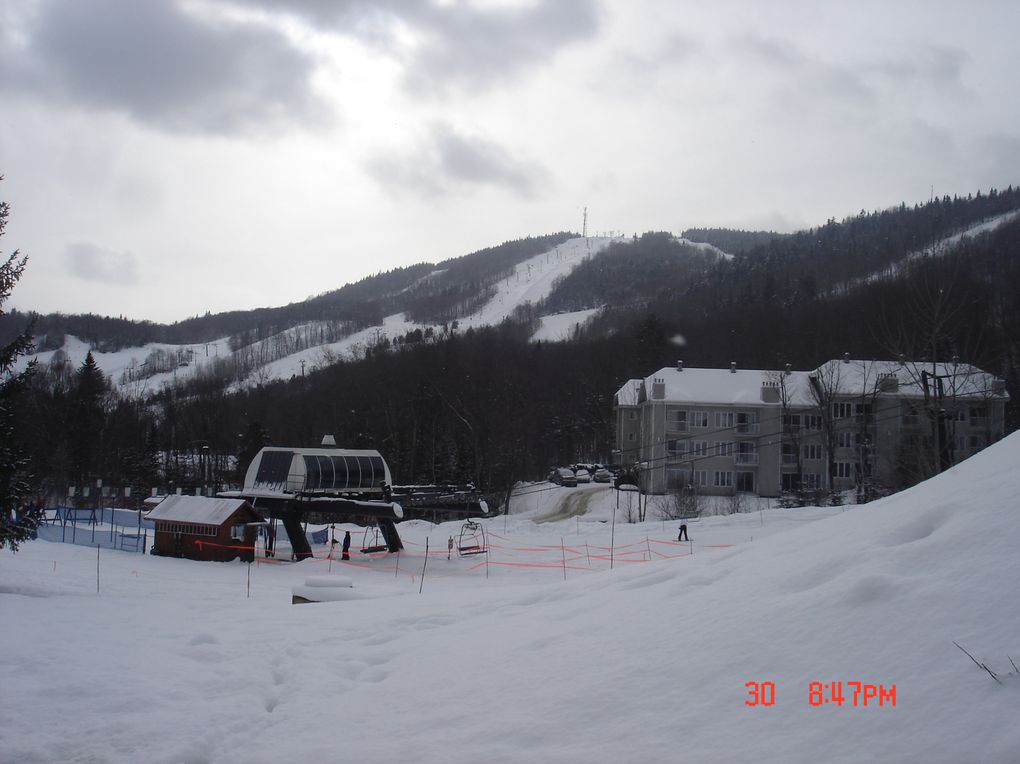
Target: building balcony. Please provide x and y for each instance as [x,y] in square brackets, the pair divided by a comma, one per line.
[747,428]
[746,458]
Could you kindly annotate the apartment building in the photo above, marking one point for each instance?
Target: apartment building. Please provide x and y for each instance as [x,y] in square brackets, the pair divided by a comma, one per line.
[847,424]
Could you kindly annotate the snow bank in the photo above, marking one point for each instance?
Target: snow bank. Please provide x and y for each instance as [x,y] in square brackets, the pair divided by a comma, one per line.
[538,651]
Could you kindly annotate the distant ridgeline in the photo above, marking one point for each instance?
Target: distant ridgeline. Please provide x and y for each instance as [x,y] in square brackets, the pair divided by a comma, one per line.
[429,293]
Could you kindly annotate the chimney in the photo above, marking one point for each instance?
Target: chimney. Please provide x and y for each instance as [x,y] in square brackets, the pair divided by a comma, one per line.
[328,440]
[846,358]
[903,361]
[679,365]
[658,389]
[788,368]
[733,367]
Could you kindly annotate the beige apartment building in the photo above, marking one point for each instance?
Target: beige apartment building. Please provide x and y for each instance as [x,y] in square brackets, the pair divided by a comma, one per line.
[848,424]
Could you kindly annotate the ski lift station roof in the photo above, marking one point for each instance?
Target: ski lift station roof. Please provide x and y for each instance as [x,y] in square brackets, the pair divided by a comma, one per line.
[281,472]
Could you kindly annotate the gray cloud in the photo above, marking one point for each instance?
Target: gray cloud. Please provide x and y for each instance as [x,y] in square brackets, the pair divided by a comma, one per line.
[92,263]
[159,64]
[802,74]
[448,161]
[934,66]
[459,45]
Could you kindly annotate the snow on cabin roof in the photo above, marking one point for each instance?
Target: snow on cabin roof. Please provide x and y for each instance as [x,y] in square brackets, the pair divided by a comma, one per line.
[195,509]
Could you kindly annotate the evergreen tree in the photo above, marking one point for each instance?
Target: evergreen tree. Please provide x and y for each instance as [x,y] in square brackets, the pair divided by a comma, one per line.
[17,521]
[88,419]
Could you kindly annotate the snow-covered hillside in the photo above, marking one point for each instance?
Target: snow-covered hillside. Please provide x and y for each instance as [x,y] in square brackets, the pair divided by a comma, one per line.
[531,282]
[937,249]
[542,652]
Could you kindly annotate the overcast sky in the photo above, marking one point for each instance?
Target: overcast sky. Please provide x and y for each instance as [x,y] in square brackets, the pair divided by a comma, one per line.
[164,159]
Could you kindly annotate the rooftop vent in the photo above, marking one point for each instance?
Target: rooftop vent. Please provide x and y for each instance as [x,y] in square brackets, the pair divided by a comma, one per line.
[733,367]
[846,358]
[788,368]
[679,365]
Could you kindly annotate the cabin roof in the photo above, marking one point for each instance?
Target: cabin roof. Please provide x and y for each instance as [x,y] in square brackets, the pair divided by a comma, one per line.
[197,509]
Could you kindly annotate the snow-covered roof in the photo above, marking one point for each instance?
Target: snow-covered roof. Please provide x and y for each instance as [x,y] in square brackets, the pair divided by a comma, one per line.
[628,394]
[842,377]
[856,377]
[720,386]
[195,509]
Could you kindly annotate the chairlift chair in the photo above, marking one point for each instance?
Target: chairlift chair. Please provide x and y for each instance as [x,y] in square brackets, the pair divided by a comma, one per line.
[472,540]
[377,545]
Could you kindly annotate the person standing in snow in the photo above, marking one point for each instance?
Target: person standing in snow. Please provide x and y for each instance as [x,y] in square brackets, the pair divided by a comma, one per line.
[346,548]
[449,548]
[683,533]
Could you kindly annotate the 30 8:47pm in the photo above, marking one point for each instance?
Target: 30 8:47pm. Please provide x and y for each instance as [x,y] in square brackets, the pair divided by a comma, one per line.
[833,693]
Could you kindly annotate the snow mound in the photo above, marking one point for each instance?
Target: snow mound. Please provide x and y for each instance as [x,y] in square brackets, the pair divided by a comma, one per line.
[651,660]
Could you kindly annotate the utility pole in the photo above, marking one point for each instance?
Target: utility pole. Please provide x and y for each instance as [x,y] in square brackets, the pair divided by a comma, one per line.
[584,226]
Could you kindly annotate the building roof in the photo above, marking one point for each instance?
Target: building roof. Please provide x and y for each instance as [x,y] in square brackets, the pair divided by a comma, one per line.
[628,394]
[735,387]
[719,386]
[196,509]
[959,380]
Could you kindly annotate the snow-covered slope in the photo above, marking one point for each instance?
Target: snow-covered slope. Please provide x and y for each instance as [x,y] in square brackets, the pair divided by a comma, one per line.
[531,282]
[543,654]
[938,249]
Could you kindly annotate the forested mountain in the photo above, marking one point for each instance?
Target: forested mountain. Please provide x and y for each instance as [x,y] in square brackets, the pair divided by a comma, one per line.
[491,405]
[433,293]
[728,240]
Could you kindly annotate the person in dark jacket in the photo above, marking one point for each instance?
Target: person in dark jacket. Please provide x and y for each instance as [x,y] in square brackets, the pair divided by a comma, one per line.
[683,533]
[346,548]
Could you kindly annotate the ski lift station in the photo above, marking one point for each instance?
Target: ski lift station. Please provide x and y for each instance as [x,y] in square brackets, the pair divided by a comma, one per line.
[329,484]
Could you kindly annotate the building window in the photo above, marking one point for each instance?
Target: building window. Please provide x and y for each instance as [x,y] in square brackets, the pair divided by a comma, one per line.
[791,481]
[675,449]
[237,532]
[724,449]
[812,421]
[697,448]
[978,416]
[745,481]
[724,419]
[699,477]
[747,422]
[846,439]
[677,421]
[677,478]
[747,453]
[789,453]
[812,481]
[842,410]
[844,470]
[910,415]
[812,452]
[723,479]
[791,422]
[699,419]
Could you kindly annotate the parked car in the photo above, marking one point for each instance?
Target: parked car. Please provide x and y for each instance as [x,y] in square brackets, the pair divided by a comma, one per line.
[582,475]
[602,475]
[564,477]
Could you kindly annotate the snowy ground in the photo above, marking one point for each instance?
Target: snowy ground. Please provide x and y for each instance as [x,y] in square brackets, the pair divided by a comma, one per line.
[540,652]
